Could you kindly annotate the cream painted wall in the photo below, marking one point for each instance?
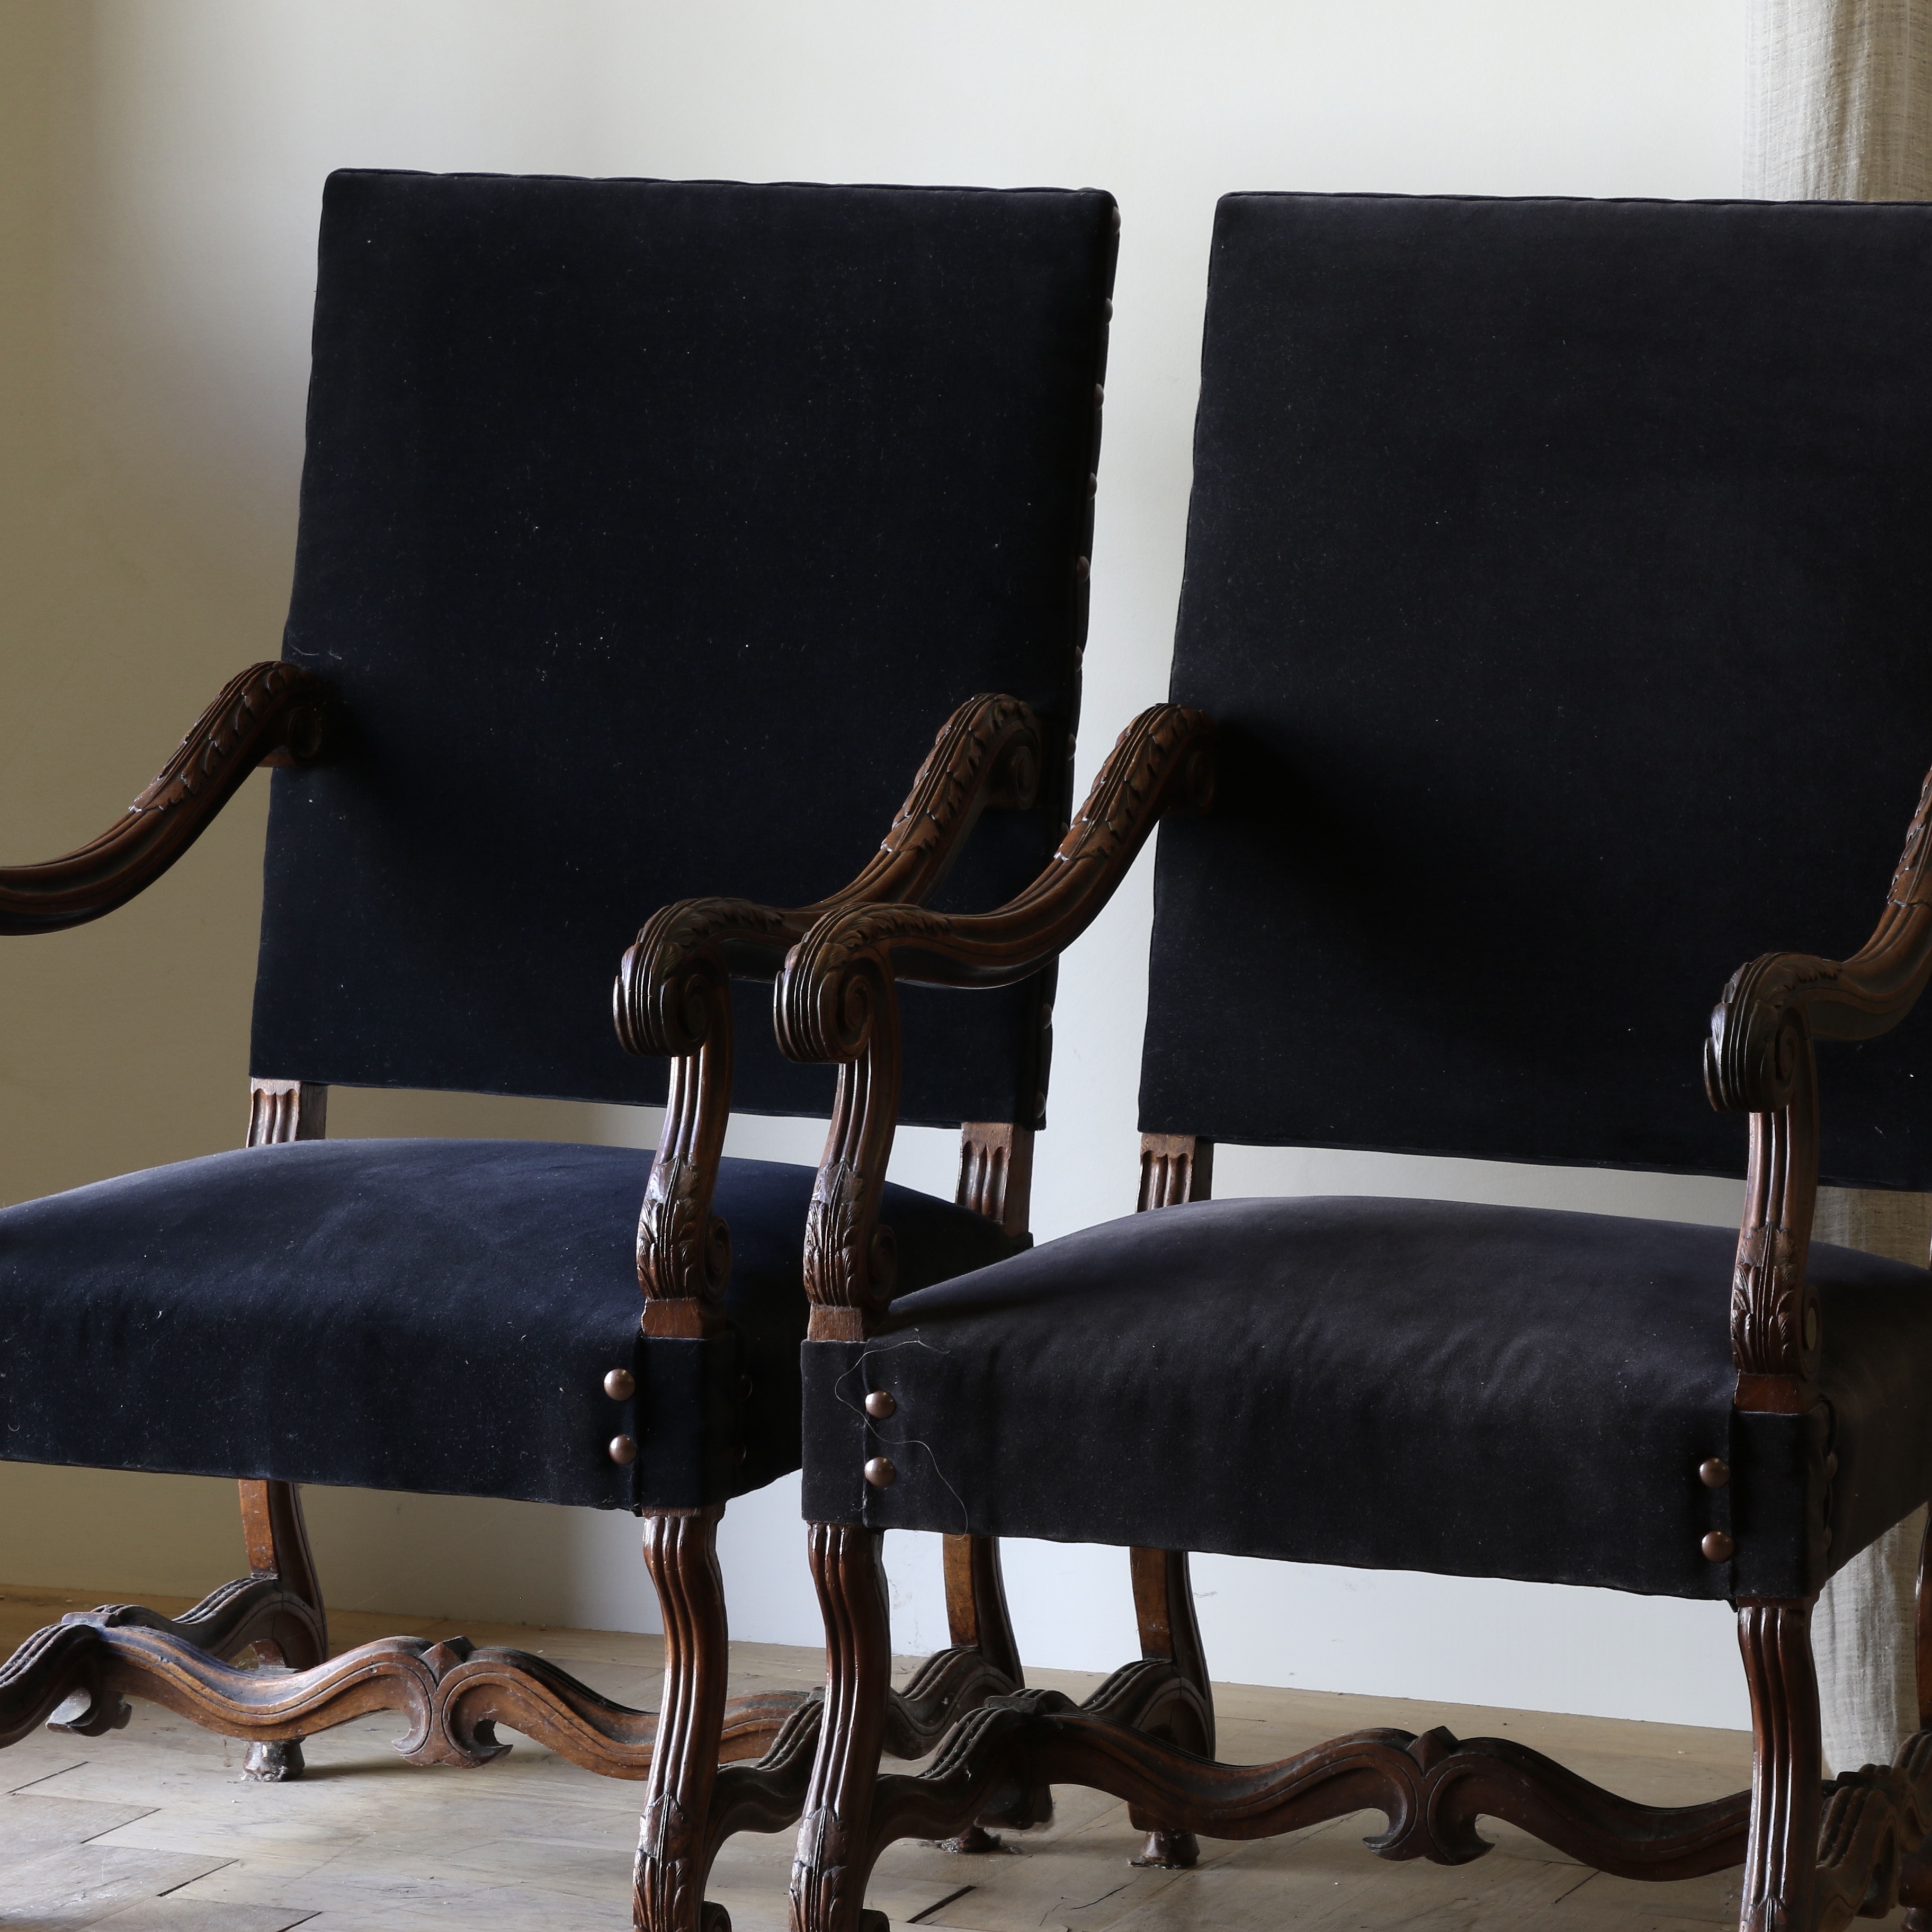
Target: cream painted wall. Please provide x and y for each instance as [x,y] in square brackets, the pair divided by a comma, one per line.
[160,163]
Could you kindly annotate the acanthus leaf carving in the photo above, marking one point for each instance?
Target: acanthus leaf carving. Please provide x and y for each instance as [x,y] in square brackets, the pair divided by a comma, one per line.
[851,1257]
[988,754]
[832,1252]
[274,698]
[1911,879]
[684,1250]
[825,1009]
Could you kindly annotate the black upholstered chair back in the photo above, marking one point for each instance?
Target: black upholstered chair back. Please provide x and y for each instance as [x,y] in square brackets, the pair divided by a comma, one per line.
[1561,573]
[650,532]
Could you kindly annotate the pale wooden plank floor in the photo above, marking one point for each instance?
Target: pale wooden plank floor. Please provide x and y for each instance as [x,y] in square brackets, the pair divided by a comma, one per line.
[153,1828]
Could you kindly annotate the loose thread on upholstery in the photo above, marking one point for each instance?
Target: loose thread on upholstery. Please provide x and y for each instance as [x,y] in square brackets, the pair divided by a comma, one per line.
[905,1441]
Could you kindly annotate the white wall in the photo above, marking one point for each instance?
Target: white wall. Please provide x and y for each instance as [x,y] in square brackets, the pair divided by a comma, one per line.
[160,163]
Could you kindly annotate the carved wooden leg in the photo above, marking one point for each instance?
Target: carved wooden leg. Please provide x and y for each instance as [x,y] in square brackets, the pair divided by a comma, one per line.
[278,1543]
[280,1111]
[673,1844]
[1164,1608]
[976,1602]
[1781,1859]
[977,1619]
[835,1856]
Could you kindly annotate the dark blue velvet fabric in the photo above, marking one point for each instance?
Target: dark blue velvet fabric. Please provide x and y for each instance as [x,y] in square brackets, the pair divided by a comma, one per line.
[413,1314]
[1557,573]
[1384,1384]
[650,532]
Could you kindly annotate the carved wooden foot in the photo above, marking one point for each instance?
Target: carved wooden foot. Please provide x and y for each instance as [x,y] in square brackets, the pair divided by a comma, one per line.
[1170,1851]
[975,1841]
[278,1763]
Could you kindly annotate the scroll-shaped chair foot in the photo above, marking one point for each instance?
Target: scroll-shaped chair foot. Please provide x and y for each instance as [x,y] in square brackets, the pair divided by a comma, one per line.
[975,1839]
[713,1918]
[870,1921]
[92,1714]
[1170,1851]
[280,1762]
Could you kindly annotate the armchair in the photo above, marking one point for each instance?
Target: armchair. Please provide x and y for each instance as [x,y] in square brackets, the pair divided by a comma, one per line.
[1555,587]
[648,531]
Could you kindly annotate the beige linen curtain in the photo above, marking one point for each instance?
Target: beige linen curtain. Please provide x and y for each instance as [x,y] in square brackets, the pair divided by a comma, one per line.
[1861,1630]
[1838,107]
[1837,100]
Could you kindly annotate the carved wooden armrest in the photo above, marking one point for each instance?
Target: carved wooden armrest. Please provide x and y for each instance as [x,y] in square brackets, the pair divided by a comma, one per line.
[672,995]
[1759,1060]
[837,1000]
[270,714]
[1748,1062]
[1164,758]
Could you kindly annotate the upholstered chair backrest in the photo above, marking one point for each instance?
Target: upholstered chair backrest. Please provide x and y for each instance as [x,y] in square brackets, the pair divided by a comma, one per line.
[650,533]
[1561,575]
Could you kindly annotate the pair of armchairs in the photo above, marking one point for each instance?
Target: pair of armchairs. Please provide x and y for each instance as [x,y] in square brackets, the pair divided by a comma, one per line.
[1553,637]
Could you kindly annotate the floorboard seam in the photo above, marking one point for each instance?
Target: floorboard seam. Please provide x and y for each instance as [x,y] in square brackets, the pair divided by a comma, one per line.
[938,1905]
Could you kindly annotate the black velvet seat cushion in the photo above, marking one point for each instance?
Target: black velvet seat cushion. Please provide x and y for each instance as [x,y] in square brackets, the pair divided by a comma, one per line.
[413,1314]
[1386,1384]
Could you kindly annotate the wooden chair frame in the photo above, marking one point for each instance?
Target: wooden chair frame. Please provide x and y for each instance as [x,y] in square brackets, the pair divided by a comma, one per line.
[710,1767]
[1815,1854]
